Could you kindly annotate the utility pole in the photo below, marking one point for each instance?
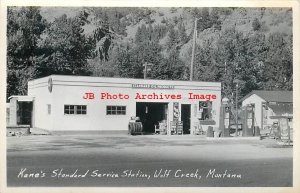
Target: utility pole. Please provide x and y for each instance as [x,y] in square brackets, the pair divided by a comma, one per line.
[193,50]
[236,106]
[236,81]
[146,69]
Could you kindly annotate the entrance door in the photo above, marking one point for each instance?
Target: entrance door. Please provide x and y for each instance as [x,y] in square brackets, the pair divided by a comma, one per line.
[186,118]
[150,114]
[24,113]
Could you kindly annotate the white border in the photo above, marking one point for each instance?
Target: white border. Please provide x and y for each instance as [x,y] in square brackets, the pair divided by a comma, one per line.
[151,3]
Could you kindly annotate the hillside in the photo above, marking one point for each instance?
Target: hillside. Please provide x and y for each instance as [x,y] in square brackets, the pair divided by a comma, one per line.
[250,44]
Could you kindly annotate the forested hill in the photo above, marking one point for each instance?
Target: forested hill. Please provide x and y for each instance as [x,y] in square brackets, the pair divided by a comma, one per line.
[253,45]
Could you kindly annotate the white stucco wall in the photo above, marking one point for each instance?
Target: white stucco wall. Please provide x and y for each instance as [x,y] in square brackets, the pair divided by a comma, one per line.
[69,90]
[257,101]
[39,90]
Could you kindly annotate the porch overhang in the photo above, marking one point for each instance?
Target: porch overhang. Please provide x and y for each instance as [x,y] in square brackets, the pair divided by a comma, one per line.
[22,98]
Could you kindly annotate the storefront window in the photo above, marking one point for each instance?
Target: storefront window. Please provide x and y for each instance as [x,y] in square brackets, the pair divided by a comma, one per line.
[75,109]
[115,110]
[205,109]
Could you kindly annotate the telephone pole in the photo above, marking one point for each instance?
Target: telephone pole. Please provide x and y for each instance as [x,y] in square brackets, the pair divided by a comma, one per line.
[146,69]
[193,50]
[236,81]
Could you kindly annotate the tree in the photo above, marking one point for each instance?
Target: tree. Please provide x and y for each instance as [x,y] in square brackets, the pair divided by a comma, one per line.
[146,49]
[205,69]
[141,34]
[169,68]
[256,24]
[204,19]
[214,18]
[172,39]
[105,25]
[256,52]
[182,33]
[66,48]
[230,57]
[103,68]
[127,63]
[278,63]
[24,28]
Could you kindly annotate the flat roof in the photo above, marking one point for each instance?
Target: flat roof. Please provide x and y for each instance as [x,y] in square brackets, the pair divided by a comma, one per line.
[93,79]
[24,98]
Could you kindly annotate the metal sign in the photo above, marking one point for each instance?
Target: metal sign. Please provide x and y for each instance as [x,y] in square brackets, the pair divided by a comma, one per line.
[50,85]
[176,111]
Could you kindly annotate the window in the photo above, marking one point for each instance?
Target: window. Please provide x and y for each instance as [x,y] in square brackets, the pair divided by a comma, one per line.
[81,109]
[115,110]
[49,109]
[69,109]
[205,108]
[75,109]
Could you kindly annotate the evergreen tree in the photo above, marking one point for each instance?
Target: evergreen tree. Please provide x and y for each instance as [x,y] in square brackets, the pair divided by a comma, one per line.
[140,35]
[230,53]
[172,39]
[24,28]
[182,33]
[256,24]
[66,48]
[205,69]
[204,19]
[260,60]
[278,63]
[105,25]
[214,19]
[169,68]
[130,59]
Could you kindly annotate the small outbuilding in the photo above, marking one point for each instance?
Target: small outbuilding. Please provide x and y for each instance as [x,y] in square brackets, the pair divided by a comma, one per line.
[268,104]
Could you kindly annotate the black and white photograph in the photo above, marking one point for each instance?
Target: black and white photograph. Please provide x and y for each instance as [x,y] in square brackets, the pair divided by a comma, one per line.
[149,96]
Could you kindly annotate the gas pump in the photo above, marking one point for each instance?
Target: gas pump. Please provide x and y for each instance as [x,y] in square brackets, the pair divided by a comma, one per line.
[225,118]
[248,121]
[283,130]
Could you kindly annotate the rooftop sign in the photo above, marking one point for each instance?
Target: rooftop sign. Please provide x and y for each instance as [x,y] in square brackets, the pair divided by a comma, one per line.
[152,86]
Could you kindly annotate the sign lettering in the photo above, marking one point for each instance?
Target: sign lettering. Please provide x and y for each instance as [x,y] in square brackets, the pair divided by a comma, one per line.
[152,86]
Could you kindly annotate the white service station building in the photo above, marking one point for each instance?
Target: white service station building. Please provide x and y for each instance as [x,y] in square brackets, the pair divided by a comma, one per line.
[83,103]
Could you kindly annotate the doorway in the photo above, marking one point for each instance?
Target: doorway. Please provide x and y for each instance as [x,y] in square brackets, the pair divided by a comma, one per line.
[186,118]
[24,113]
[151,113]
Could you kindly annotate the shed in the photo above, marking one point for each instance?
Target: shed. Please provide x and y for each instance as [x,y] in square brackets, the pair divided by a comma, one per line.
[269,103]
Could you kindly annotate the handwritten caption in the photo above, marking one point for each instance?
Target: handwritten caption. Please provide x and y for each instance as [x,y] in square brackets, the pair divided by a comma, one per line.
[159,173]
